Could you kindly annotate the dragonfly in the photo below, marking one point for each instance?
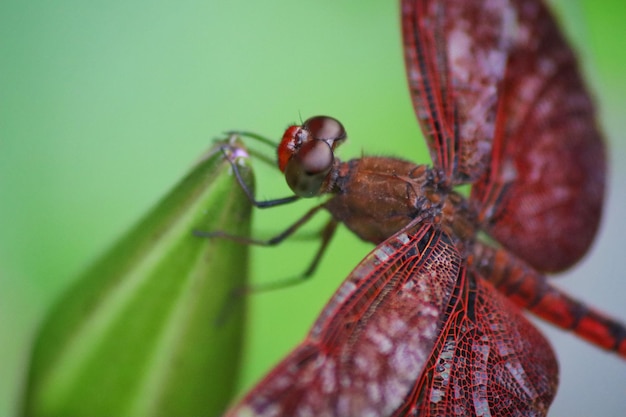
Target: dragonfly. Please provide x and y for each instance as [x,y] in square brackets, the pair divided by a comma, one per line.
[430,323]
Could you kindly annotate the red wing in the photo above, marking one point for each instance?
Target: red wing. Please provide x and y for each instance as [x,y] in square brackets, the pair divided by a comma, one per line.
[488,360]
[542,197]
[456,54]
[410,331]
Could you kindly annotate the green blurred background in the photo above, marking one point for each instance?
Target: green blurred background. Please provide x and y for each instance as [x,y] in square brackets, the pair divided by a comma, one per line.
[104,106]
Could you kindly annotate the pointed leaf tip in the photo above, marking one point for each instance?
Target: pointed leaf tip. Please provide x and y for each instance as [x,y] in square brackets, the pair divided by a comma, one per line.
[137,334]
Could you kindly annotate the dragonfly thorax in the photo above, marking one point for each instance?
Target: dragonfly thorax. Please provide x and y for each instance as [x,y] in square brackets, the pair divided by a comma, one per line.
[377,196]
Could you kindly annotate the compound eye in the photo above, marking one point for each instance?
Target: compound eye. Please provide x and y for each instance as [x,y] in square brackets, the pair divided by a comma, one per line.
[308,169]
[326,128]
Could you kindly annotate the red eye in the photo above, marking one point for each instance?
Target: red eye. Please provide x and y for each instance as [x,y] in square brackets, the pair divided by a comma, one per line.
[289,145]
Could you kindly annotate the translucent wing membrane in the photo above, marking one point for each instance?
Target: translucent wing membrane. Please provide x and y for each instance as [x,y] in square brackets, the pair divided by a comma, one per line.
[371,342]
[410,331]
[488,360]
[456,54]
[543,192]
[500,100]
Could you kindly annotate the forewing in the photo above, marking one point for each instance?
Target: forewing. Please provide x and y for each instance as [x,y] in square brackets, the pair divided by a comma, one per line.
[371,342]
[542,196]
[456,54]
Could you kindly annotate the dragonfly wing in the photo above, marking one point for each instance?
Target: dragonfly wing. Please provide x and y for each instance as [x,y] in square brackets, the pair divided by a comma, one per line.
[375,346]
[456,54]
[542,195]
[372,340]
[500,99]
[488,361]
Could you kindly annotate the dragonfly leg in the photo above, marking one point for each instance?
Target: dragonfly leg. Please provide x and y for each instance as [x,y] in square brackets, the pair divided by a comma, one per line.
[326,233]
[275,240]
[531,290]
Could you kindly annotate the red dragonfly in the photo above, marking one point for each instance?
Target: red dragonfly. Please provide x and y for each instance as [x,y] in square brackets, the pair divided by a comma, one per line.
[429,323]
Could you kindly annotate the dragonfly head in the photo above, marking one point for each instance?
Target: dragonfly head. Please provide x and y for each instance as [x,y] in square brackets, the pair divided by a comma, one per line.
[305,154]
